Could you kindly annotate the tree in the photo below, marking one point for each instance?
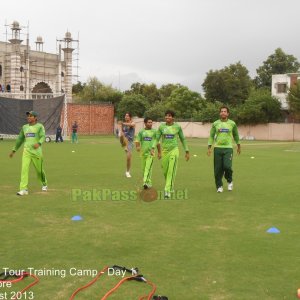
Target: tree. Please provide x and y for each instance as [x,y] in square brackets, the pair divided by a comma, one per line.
[96,91]
[149,91]
[230,85]
[135,88]
[91,89]
[156,111]
[135,104]
[184,102]
[209,113]
[294,100]
[166,90]
[261,107]
[78,87]
[277,63]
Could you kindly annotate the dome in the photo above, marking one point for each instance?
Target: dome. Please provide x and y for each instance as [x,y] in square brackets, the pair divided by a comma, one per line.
[15,25]
[39,39]
[68,35]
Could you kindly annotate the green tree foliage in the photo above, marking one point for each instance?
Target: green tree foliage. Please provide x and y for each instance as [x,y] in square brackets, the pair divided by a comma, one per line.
[149,91]
[261,107]
[135,104]
[91,90]
[77,88]
[157,111]
[166,90]
[230,85]
[209,112]
[184,102]
[95,91]
[294,100]
[277,63]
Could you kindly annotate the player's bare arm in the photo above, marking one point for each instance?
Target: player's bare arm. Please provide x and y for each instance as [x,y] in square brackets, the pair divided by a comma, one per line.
[209,150]
[138,146]
[158,151]
[187,155]
[130,124]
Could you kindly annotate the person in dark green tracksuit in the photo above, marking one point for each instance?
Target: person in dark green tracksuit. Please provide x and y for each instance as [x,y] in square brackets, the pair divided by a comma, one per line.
[144,141]
[33,134]
[168,132]
[221,134]
[74,133]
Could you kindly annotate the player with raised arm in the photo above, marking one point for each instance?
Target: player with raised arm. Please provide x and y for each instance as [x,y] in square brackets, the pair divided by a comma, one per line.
[126,133]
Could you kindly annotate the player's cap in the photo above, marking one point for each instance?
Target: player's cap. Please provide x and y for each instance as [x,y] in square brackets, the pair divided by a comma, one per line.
[33,113]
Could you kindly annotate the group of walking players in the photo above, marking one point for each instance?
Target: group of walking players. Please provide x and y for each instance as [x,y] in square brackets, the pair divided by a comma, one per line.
[164,139]
[148,139]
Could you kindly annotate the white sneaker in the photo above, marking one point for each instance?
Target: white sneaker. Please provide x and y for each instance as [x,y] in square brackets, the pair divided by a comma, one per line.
[22,193]
[127,174]
[44,188]
[167,195]
[220,189]
[230,186]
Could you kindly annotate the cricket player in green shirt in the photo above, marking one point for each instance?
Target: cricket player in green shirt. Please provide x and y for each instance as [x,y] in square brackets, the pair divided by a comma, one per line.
[144,141]
[168,132]
[33,134]
[221,134]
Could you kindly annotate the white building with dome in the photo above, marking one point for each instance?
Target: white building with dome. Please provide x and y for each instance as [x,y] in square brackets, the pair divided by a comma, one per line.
[34,74]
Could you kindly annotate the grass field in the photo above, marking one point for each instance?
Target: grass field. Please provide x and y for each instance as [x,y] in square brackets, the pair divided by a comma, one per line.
[208,246]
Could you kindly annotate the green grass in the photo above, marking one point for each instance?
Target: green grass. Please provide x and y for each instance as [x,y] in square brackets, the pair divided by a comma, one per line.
[209,246]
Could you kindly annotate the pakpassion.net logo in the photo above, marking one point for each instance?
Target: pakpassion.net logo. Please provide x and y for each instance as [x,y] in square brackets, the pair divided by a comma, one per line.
[147,195]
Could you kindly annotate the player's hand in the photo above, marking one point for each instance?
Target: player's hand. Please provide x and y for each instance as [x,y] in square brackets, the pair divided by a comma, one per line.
[152,152]
[187,156]
[159,155]
[12,153]
[238,151]
[138,148]
[35,146]
[209,151]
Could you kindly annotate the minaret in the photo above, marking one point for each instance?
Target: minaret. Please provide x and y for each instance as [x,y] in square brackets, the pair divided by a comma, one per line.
[15,58]
[27,69]
[68,65]
[39,44]
[59,75]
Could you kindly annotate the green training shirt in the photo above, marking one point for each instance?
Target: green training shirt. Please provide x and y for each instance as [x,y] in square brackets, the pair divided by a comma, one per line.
[222,132]
[169,134]
[31,135]
[146,137]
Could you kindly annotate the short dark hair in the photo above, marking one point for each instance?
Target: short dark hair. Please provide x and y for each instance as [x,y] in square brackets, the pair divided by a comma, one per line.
[224,107]
[170,112]
[129,114]
[147,119]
